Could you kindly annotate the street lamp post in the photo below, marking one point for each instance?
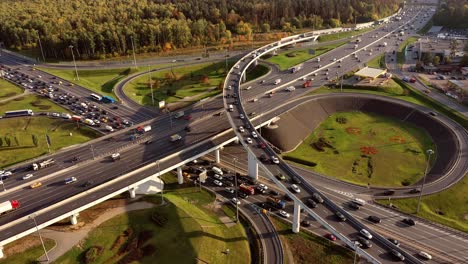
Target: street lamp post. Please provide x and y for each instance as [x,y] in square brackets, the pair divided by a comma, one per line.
[235,186]
[33,216]
[74,62]
[92,151]
[356,243]
[40,46]
[151,85]
[133,48]
[3,184]
[162,184]
[429,152]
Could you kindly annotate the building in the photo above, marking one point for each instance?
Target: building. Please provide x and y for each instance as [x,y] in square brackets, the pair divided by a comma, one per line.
[441,48]
[370,73]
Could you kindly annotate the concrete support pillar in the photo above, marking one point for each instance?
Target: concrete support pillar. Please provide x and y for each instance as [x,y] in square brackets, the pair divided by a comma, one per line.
[180,176]
[296,218]
[255,63]
[253,166]
[74,219]
[217,156]
[237,140]
[132,192]
[244,77]
[1,252]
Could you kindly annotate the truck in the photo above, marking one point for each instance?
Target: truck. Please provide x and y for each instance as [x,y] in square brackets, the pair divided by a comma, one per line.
[383,44]
[8,206]
[76,118]
[249,190]
[175,137]
[108,100]
[40,165]
[278,203]
[277,81]
[295,68]
[143,129]
[179,114]
[89,122]
[308,83]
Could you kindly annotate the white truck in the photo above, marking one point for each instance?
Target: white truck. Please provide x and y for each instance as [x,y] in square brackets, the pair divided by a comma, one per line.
[42,164]
[383,44]
[277,81]
[175,137]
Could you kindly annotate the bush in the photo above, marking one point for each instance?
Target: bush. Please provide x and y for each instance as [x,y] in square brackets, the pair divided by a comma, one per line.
[92,253]
[341,120]
[300,161]
[406,182]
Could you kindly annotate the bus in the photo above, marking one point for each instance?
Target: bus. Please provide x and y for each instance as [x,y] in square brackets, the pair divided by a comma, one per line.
[25,112]
[107,99]
[96,97]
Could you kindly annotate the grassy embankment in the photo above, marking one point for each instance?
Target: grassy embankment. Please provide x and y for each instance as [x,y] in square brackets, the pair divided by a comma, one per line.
[342,35]
[8,89]
[401,50]
[192,232]
[25,250]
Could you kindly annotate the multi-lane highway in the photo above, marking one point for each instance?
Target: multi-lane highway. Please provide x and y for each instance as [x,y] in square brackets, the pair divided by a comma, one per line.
[204,125]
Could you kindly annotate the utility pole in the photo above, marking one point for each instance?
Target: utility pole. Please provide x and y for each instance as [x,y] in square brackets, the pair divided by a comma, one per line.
[151,85]
[162,183]
[429,152]
[2,183]
[40,45]
[133,47]
[33,216]
[74,62]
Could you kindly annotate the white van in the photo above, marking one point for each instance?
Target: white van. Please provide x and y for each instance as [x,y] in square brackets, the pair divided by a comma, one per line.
[358,201]
[230,108]
[217,170]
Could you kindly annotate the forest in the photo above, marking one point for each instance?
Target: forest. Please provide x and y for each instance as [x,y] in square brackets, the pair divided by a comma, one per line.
[453,13]
[103,28]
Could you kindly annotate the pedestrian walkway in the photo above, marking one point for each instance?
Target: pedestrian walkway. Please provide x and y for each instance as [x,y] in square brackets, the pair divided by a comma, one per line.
[64,241]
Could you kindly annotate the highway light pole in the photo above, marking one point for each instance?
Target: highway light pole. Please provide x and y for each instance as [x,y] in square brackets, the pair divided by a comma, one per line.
[162,183]
[429,152]
[40,46]
[235,186]
[74,62]
[151,85]
[92,151]
[33,216]
[2,183]
[133,48]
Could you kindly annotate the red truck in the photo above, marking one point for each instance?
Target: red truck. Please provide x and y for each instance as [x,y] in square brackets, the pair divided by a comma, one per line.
[247,189]
[8,206]
[307,84]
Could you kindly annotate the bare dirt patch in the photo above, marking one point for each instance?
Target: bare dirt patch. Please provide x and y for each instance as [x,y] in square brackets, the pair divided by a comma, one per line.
[353,130]
[22,244]
[368,150]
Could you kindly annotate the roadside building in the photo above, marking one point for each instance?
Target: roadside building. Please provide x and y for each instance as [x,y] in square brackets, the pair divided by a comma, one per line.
[371,73]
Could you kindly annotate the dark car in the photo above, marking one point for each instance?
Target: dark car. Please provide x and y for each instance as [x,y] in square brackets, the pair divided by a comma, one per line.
[305,223]
[295,180]
[409,221]
[389,192]
[397,255]
[340,216]
[115,107]
[188,129]
[311,203]
[287,197]
[354,206]
[316,197]
[148,142]
[88,183]
[242,195]
[273,192]
[394,241]
[364,242]
[374,219]
[415,190]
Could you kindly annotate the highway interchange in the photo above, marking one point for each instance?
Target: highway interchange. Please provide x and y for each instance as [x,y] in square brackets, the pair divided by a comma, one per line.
[135,154]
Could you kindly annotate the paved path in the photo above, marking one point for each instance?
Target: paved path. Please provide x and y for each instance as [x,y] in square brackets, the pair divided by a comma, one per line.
[64,241]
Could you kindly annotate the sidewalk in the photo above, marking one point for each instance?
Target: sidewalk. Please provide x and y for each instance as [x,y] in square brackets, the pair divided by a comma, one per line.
[64,241]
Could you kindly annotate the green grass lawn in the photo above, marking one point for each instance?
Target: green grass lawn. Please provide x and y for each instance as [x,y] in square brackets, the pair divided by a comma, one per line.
[8,89]
[34,102]
[195,81]
[23,129]
[99,81]
[193,230]
[401,49]
[426,27]
[449,207]
[29,255]
[257,72]
[287,59]
[377,62]
[400,149]
[306,247]
[341,35]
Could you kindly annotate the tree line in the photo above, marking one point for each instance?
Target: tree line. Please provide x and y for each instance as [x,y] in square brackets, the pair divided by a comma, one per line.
[100,28]
[452,13]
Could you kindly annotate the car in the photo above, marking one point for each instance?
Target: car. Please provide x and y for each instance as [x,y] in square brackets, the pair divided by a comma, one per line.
[35,185]
[87,184]
[218,177]
[394,241]
[364,242]
[248,140]
[311,203]
[284,214]
[340,216]
[261,145]
[317,198]
[216,182]
[330,236]
[7,173]
[3,178]
[230,184]
[115,156]
[260,190]
[188,129]
[295,188]
[241,129]
[263,186]
[365,233]
[354,206]
[273,192]
[263,158]
[187,117]
[409,221]
[235,201]
[241,116]
[280,176]
[374,219]
[425,255]
[242,195]
[27,176]
[288,198]
[415,190]
[274,160]
[432,113]
[305,223]
[397,255]
[295,180]
[254,134]
[70,180]
[148,142]
[389,192]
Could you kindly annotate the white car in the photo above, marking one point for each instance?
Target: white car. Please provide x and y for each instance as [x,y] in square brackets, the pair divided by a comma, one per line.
[241,129]
[248,140]
[7,173]
[237,67]
[235,201]
[218,177]
[27,176]
[425,255]
[216,182]
[263,186]
[70,180]
[275,160]
[365,233]
[241,116]
[254,134]
[229,190]
[295,188]
[284,214]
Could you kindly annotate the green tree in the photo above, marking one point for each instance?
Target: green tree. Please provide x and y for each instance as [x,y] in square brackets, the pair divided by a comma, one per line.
[8,141]
[35,140]
[436,60]
[265,27]
[1,142]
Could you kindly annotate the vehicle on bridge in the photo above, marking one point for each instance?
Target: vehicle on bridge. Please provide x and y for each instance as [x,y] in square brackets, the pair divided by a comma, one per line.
[70,180]
[115,156]
[143,129]
[175,137]
[277,81]
[42,164]
[307,84]
[8,206]
[247,189]
[277,203]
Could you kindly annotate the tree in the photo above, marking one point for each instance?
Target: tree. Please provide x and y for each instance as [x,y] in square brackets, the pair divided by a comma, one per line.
[1,142]
[35,140]
[426,58]
[265,28]
[16,141]
[453,48]
[8,141]
[436,60]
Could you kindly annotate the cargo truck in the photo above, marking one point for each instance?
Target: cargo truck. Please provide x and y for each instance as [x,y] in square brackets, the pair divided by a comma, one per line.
[295,68]
[42,164]
[249,190]
[277,203]
[307,84]
[277,81]
[143,129]
[8,206]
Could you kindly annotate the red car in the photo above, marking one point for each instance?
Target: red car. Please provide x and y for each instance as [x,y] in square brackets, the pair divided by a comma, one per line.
[331,237]
[261,145]
[187,117]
